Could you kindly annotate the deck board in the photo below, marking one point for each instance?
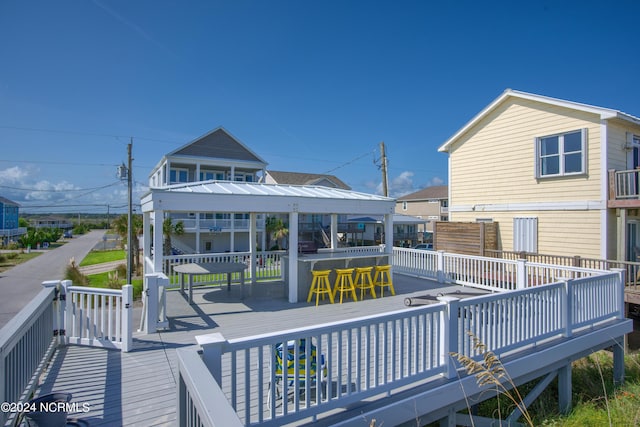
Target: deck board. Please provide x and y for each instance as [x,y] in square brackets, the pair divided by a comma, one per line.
[139,387]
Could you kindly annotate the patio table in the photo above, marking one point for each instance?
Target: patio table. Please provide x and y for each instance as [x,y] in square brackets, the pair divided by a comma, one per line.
[199,269]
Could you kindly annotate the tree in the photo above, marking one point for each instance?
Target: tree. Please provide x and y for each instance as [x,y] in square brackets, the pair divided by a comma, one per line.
[169,228]
[120,226]
[276,230]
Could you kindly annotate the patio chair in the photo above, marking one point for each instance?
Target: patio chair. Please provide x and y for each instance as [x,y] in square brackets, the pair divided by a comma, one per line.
[288,358]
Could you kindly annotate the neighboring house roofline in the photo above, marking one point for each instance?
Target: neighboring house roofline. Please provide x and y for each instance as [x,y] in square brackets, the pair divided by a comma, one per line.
[303,178]
[604,113]
[428,193]
[261,162]
[8,202]
[173,153]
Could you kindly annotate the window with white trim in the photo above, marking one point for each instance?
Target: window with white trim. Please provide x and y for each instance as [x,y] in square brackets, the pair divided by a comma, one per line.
[208,175]
[178,175]
[561,154]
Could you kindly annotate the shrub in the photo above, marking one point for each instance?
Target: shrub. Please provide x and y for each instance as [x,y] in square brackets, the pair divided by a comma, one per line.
[73,273]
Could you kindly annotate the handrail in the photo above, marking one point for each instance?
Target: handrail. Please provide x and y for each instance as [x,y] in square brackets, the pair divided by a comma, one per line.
[27,343]
[376,354]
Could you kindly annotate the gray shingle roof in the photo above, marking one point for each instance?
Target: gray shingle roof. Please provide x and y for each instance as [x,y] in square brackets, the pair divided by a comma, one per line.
[300,178]
[218,144]
[434,192]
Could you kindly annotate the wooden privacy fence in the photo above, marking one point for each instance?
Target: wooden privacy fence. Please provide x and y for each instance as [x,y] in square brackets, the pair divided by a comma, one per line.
[471,238]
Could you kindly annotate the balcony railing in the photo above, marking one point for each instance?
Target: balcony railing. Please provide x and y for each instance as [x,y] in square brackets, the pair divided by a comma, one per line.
[624,188]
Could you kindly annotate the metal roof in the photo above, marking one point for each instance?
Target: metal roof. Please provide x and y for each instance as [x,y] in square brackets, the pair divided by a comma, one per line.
[230,196]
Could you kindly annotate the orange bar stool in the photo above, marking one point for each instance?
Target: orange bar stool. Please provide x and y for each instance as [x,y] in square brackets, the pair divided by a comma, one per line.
[382,278]
[344,283]
[364,281]
[320,285]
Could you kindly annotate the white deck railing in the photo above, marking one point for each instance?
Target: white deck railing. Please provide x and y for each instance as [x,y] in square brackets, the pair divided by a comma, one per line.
[377,354]
[25,342]
[98,317]
[493,274]
[60,314]
[268,266]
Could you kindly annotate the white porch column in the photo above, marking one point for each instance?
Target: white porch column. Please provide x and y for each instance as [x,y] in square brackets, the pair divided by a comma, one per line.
[232,234]
[334,231]
[198,232]
[388,233]
[252,245]
[168,173]
[157,241]
[293,254]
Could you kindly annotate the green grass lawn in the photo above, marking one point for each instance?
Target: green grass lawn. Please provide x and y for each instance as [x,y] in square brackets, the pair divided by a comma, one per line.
[98,257]
[11,259]
[101,280]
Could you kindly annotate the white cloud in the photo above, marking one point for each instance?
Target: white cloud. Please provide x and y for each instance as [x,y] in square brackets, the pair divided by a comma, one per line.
[403,184]
[13,175]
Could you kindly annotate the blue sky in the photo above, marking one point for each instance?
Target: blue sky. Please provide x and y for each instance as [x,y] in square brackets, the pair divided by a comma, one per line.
[308,86]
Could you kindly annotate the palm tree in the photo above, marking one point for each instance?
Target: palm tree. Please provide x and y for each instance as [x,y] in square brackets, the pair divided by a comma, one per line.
[120,226]
[275,230]
[169,228]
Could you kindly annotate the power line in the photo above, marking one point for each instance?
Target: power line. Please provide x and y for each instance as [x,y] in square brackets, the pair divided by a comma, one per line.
[70,132]
[65,190]
[347,163]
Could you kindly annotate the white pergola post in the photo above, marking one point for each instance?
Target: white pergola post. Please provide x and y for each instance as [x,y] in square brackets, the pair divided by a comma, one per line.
[232,234]
[157,241]
[252,245]
[334,231]
[198,232]
[388,233]
[293,254]
[146,238]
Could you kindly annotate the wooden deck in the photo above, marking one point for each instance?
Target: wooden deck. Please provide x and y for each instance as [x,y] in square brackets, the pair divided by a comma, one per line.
[139,387]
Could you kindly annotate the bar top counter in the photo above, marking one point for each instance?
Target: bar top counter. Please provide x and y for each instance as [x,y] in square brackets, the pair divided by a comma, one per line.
[331,260]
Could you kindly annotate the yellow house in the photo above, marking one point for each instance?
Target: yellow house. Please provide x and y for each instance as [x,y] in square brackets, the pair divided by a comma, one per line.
[559,177]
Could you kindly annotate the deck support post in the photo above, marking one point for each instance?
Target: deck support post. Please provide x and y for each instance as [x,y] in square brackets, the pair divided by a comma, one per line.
[618,361]
[564,389]
[212,349]
[450,419]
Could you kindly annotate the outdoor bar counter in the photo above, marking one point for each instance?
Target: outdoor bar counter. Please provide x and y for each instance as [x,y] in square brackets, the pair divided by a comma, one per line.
[330,261]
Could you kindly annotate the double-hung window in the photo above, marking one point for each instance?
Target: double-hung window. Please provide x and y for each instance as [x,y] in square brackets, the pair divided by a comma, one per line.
[562,154]
[178,175]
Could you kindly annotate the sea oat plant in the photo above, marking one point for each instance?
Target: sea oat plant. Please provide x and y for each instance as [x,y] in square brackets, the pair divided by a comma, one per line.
[491,372]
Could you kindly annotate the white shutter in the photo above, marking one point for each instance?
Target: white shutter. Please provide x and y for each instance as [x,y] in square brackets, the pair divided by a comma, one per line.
[525,234]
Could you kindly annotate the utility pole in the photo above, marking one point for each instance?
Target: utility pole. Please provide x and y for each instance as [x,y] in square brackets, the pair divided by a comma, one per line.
[385,182]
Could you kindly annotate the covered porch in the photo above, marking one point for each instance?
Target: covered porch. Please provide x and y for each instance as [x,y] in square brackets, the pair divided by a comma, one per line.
[256,199]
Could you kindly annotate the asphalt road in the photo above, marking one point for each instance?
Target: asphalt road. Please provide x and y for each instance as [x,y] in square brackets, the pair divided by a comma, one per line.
[22,283]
